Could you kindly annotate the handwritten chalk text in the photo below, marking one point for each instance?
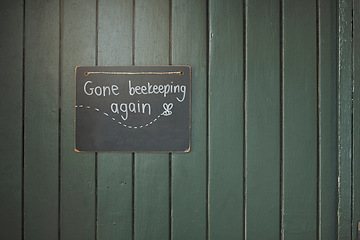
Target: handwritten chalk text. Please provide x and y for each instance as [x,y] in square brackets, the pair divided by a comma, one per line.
[125,108]
[100,91]
[158,89]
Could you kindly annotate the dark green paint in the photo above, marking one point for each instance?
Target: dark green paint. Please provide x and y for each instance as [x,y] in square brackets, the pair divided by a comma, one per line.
[327,120]
[356,121]
[263,119]
[77,195]
[232,184]
[41,120]
[344,124]
[114,216]
[225,120]
[151,203]
[189,170]
[300,131]
[11,65]
[114,176]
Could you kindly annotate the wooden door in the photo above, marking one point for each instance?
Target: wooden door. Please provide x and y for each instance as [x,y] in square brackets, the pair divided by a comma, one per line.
[275,123]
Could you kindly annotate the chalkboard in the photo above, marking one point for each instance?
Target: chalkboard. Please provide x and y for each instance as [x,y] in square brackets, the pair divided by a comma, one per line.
[133,109]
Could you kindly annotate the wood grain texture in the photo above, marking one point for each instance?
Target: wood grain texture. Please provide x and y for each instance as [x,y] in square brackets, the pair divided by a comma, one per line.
[189,42]
[11,67]
[41,120]
[77,196]
[151,203]
[114,196]
[327,120]
[263,120]
[321,129]
[300,154]
[226,120]
[114,216]
[344,124]
[356,123]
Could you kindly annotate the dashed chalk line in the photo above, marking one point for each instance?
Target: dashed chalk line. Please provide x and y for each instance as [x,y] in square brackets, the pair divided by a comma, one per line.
[124,125]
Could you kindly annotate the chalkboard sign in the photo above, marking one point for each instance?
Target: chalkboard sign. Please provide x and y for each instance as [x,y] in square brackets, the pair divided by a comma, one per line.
[133,109]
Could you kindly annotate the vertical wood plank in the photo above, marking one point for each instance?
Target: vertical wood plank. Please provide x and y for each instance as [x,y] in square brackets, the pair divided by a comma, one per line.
[189,46]
[299,120]
[115,170]
[226,120]
[263,120]
[356,122]
[77,194]
[344,124]
[327,119]
[41,120]
[11,65]
[151,170]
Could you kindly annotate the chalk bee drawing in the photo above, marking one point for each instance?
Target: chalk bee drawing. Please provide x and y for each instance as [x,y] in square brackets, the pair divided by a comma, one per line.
[167,107]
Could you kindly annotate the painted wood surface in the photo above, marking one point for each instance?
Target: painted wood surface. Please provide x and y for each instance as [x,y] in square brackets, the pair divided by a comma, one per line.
[275,131]
[263,119]
[344,124]
[327,176]
[189,173]
[77,171]
[226,120]
[151,173]
[300,111]
[11,121]
[41,141]
[356,122]
[114,171]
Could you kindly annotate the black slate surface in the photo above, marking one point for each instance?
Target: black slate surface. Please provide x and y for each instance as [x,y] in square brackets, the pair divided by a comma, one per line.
[133,109]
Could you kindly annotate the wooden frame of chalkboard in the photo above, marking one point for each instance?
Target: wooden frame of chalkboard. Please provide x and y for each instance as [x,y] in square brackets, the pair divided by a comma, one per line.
[133,108]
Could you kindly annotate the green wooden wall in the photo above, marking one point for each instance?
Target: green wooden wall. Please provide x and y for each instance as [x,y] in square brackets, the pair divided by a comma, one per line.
[275,121]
